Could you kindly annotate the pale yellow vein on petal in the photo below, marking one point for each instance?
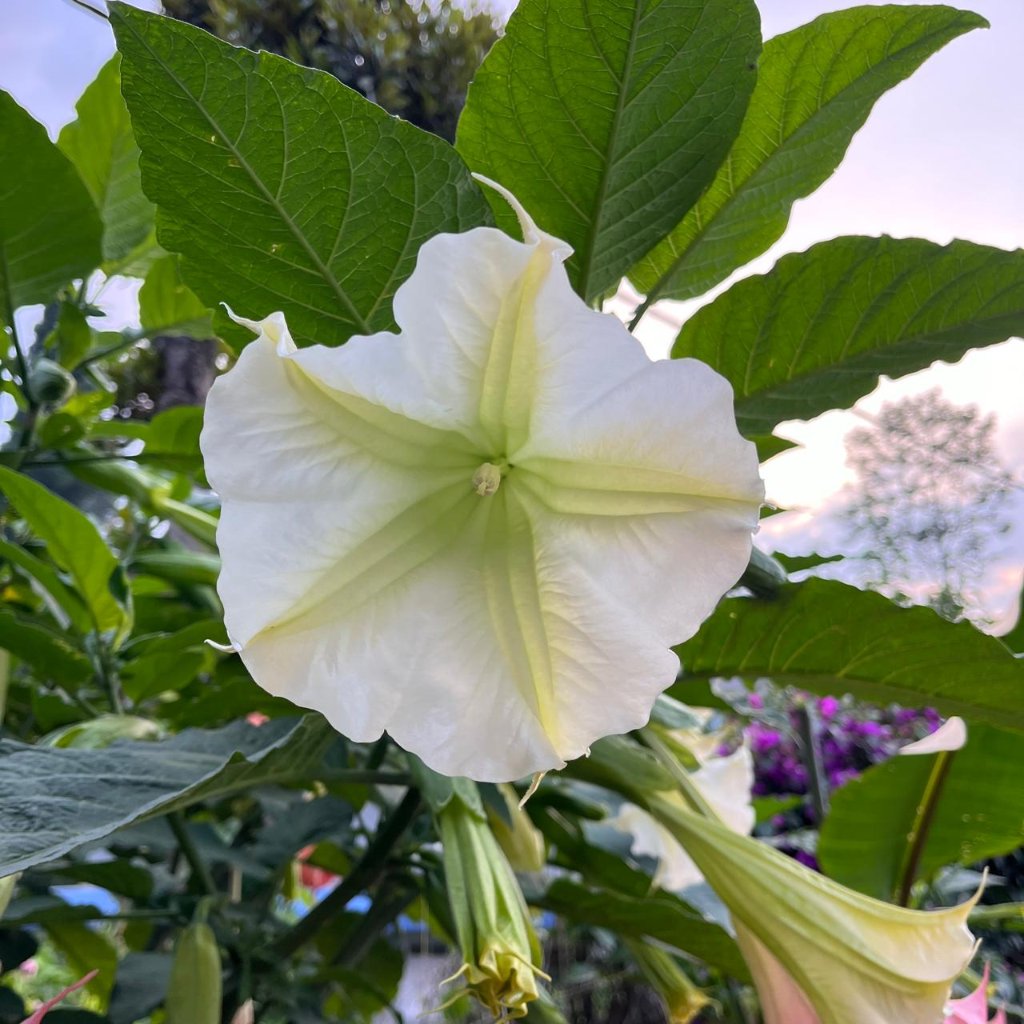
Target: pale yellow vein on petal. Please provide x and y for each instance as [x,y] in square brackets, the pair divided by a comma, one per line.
[516,606]
[511,368]
[380,432]
[418,533]
[580,488]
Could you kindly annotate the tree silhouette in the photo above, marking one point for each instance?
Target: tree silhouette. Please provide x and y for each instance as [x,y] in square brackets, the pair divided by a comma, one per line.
[927,509]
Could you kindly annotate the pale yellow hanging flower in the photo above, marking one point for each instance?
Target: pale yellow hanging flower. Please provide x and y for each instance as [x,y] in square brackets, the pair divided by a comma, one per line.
[821,953]
[484,533]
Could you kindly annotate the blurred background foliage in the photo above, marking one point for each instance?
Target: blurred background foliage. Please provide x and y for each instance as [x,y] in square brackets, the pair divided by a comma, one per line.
[415,59]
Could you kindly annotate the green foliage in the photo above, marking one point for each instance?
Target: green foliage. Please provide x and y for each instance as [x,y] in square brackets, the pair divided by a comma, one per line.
[58,801]
[817,331]
[830,638]
[815,88]
[659,916]
[974,807]
[75,545]
[606,136]
[102,147]
[280,203]
[43,199]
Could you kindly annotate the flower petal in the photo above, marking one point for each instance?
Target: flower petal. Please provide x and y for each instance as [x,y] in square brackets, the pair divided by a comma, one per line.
[781,1000]
[951,735]
[494,524]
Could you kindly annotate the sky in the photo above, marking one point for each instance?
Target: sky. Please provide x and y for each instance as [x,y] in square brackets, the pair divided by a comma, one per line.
[941,157]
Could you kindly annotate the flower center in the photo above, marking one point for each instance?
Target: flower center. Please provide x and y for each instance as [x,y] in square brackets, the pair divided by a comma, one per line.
[487,479]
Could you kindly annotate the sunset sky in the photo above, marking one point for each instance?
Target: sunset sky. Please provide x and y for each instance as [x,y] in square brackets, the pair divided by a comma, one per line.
[942,156]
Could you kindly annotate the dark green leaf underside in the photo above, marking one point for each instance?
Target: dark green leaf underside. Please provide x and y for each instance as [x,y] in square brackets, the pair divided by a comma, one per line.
[49,228]
[54,800]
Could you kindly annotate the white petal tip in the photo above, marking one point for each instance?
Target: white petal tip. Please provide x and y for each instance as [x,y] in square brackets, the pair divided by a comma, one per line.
[949,736]
[538,778]
[231,648]
[273,327]
[532,235]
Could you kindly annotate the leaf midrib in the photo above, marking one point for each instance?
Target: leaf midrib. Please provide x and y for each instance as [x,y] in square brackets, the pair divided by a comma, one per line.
[270,198]
[587,265]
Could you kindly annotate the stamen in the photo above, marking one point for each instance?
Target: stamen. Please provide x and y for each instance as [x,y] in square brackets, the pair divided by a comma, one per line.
[487,479]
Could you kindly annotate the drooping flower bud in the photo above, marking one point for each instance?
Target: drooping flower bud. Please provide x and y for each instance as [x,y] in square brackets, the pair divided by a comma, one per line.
[820,953]
[683,999]
[194,990]
[50,383]
[520,840]
[500,951]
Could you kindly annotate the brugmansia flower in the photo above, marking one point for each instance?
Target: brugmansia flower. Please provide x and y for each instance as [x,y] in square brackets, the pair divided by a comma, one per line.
[500,951]
[821,953]
[485,532]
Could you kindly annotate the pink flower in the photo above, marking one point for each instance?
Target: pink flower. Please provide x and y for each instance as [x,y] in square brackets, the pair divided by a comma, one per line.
[973,1009]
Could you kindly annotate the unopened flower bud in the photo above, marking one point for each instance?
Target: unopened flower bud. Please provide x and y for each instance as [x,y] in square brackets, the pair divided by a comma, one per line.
[50,383]
[500,951]
[520,840]
[683,999]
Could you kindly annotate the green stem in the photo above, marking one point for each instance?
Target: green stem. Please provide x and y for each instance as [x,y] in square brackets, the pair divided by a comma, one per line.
[689,791]
[638,313]
[369,869]
[918,836]
[88,7]
[200,869]
[387,905]
[817,780]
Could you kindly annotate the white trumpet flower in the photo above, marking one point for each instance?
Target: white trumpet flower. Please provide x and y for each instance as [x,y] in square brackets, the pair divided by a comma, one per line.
[483,533]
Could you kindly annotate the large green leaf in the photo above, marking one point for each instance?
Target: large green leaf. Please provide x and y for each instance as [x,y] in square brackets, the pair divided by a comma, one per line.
[830,638]
[607,118]
[658,916]
[49,228]
[44,649]
[62,602]
[978,812]
[53,800]
[817,331]
[72,541]
[815,88]
[101,145]
[281,188]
